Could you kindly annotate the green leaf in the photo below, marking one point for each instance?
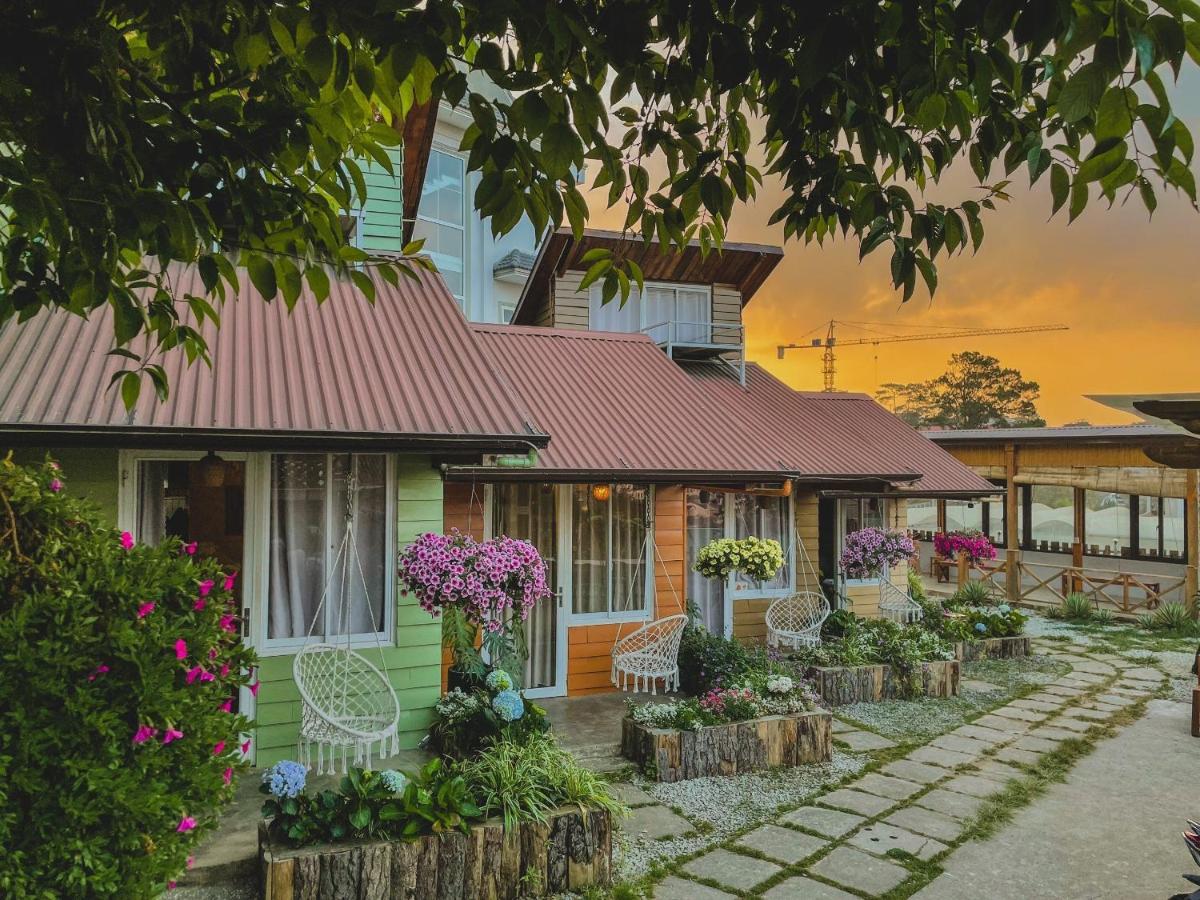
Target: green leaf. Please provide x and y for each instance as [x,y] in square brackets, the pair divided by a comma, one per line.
[1098,165]
[931,113]
[1079,199]
[1112,117]
[1082,93]
[318,59]
[1146,189]
[131,388]
[1060,185]
[262,275]
[559,147]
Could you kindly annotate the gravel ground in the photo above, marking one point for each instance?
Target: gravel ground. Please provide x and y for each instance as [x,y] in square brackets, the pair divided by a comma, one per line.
[722,806]
[247,891]
[920,720]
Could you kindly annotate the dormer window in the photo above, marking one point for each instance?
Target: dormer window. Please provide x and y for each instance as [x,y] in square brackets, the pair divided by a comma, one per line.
[441,220]
[675,313]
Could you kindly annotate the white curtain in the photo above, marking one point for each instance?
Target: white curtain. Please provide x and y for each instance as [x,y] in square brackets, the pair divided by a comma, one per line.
[693,310]
[614,315]
[764,517]
[299,494]
[589,536]
[705,522]
[629,536]
[357,588]
[528,512]
[151,501]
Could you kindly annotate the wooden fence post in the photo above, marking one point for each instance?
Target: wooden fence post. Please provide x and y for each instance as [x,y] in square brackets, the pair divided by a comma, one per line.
[1192,537]
[1012,539]
[964,569]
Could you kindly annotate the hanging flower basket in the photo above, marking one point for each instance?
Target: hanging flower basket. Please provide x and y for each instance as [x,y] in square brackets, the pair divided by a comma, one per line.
[869,551]
[972,544]
[756,558]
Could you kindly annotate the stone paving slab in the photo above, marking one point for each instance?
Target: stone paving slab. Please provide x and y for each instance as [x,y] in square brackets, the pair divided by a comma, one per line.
[860,871]
[947,759]
[731,869]
[1021,715]
[1057,700]
[862,741]
[980,687]
[994,768]
[1061,690]
[1115,699]
[857,801]
[1035,744]
[926,821]
[1142,673]
[1018,755]
[631,794]
[802,888]
[974,785]
[982,733]
[1077,725]
[886,786]
[832,823]
[1091,666]
[1098,715]
[949,803]
[1088,678]
[1051,733]
[960,744]
[1035,705]
[840,727]
[655,822]
[675,888]
[920,772]
[1126,691]
[881,838]
[1003,723]
[784,844]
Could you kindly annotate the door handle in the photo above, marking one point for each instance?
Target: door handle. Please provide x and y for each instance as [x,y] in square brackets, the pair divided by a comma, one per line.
[245,621]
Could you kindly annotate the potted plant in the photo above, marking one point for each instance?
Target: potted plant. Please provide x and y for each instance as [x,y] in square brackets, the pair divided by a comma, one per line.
[868,552]
[483,591]
[974,545]
[757,558]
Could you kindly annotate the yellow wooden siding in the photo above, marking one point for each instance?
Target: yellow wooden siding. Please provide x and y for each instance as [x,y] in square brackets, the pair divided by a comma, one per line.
[726,310]
[570,303]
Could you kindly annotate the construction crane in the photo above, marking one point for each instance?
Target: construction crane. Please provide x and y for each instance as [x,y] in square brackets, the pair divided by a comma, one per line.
[830,341]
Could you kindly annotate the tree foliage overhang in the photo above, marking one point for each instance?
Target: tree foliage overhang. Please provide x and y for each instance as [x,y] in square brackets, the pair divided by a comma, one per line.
[233,133]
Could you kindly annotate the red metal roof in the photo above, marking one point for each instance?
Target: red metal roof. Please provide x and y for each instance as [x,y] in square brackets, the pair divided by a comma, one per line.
[404,371]
[617,406]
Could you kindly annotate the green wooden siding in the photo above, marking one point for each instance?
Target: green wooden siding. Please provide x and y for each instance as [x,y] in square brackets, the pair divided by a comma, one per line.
[90,472]
[413,665]
[383,217]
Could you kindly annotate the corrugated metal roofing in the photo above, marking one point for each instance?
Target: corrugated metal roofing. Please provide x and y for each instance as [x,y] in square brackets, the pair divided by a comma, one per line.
[616,404]
[404,371]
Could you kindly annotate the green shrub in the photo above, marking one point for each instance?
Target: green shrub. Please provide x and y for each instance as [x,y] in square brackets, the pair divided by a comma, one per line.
[117,746]
[1174,617]
[975,593]
[975,623]
[1104,617]
[465,721]
[707,660]
[863,642]
[1076,608]
[523,782]
[916,587]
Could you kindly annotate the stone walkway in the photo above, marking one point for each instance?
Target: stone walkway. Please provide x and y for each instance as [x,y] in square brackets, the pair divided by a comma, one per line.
[877,834]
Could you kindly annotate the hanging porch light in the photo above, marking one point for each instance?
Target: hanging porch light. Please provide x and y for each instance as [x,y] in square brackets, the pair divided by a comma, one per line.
[601,492]
[211,470]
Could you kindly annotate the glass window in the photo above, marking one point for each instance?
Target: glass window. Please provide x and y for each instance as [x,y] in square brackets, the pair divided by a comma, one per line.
[964,515]
[609,534]
[1174,528]
[1051,517]
[763,517]
[866,512]
[1107,523]
[922,515]
[441,217]
[665,312]
[994,516]
[705,523]
[322,583]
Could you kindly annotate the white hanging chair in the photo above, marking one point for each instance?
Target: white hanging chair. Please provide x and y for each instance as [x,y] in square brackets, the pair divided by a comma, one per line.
[795,622]
[896,605]
[349,704]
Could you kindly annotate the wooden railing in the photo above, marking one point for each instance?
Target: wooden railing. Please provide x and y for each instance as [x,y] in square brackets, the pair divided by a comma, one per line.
[1127,591]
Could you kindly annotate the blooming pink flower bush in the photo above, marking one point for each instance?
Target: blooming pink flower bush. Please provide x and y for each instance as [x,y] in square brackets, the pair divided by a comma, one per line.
[973,544]
[869,551]
[476,586]
[107,763]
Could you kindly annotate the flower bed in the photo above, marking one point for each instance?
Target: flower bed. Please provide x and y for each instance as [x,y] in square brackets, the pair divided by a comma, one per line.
[731,748]
[570,851]
[992,648]
[840,685]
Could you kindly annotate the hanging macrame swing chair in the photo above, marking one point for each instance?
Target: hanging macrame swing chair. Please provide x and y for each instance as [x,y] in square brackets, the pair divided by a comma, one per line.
[794,623]
[349,704]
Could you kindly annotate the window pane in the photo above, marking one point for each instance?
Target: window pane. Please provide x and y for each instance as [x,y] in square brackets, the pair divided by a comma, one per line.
[996,514]
[442,193]
[1174,530]
[1106,523]
[528,512]
[589,568]
[1052,517]
[613,315]
[629,535]
[922,515]
[705,522]
[444,245]
[356,593]
[763,517]
[298,542]
[964,515]
[693,312]
[851,515]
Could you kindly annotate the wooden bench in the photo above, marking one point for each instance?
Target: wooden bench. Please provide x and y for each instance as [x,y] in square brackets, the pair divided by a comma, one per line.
[939,568]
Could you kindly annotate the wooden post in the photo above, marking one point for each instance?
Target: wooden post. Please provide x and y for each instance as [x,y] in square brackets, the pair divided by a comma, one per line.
[964,569]
[1012,540]
[1080,501]
[1190,507]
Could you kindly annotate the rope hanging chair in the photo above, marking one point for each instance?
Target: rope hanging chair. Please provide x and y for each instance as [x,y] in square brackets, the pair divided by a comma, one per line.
[896,605]
[349,704]
[652,651]
[795,622]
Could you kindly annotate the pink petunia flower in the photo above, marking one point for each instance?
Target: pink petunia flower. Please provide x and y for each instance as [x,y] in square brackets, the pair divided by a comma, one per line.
[171,734]
[227,706]
[246,746]
[187,823]
[189,549]
[228,776]
[193,673]
[212,653]
[224,670]
[229,580]
[55,485]
[254,689]
[171,885]
[227,622]
[145,609]
[191,861]
[181,649]
[97,672]
[143,734]
[218,748]
[200,604]
[126,540]
[206,587]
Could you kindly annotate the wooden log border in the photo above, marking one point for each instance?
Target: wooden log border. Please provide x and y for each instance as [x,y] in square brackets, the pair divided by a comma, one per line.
[570,852]
[729,749]
[992,648]
[841,685]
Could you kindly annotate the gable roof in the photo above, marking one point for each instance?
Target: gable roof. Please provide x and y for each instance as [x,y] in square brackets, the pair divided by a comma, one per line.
[746,266]
[403,372]
[618,408]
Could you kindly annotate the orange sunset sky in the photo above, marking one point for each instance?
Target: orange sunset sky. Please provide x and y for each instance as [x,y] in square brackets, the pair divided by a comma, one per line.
[1127,285]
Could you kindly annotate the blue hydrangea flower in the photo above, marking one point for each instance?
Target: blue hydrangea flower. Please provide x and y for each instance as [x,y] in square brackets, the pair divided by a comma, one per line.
[508,705]
[285,779]
[1004,608]
[392,780]
[499,680]
[980,627]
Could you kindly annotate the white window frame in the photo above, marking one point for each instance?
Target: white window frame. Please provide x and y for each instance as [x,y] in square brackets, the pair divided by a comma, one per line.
[505,312]
[567,572]
[284,646]
[885,507]
[466,235]
[595,295]
[749,592]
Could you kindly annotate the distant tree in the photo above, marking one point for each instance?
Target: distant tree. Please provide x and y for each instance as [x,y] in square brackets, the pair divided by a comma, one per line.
[975,391]
[1077,423]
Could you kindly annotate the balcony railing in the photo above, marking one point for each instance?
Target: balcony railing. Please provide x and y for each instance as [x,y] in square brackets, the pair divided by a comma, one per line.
[702,340]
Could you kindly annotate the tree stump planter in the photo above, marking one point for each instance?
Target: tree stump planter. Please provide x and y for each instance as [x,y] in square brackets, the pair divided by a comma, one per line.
[571,851]
[992,648]
[735,748]
[841,685]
